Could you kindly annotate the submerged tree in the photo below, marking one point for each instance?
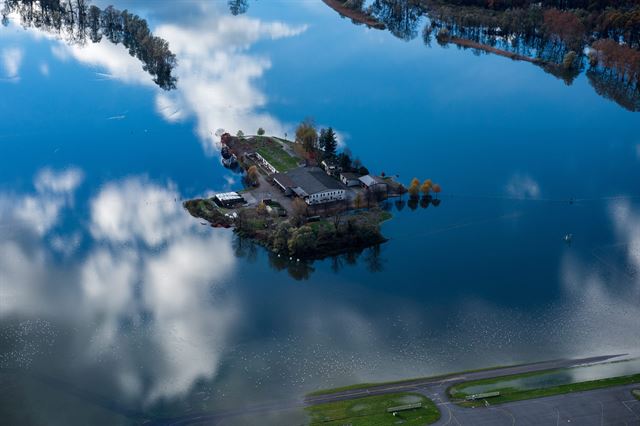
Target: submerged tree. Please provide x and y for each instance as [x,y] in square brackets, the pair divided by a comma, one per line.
[414,188]
[75,21]
[400,16]
[238,7]
[425,188]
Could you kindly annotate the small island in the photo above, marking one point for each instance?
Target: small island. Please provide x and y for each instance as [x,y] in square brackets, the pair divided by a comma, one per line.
[302,199]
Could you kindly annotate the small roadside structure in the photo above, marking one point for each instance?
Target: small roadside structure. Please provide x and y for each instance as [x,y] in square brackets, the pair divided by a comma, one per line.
[330,167]
[404,407]
[350,179]
[228,199]
[374,183]
[482,396]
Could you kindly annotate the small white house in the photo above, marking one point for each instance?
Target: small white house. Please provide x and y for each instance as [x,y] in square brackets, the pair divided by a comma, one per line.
[350,179]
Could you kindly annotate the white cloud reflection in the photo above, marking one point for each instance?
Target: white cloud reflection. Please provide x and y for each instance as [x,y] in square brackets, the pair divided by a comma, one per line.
[216,72]
[627,227]
[605,287]
[11,61]
[151,265]
[216,75]
[41,210]
[523,186]
[135,209]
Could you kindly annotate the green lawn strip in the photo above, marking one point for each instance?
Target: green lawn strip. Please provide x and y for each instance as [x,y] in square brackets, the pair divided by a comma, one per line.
[271,151]
[372,411]
[357,386]
[636,393]
[510,394]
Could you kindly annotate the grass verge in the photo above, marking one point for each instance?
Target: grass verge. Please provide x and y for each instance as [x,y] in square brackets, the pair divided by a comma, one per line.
[636,393]
[372,411]
[514,394]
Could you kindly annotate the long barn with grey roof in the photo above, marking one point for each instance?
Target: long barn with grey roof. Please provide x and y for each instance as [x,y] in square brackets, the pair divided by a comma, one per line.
[311,184]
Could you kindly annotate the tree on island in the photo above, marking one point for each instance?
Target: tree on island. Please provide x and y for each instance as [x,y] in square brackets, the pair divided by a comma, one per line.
[238,7]
[252,175]
[299,207]
[261,208]
[303,240]
[328,142]
[260,131]
[414,188]
[240,134]
[344,159]
[307,135]
[426,188]
[436,189]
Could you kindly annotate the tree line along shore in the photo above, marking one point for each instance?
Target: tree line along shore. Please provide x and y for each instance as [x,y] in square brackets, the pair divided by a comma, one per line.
[565,38]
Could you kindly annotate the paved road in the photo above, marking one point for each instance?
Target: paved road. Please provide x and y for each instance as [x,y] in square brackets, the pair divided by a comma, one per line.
[611,406]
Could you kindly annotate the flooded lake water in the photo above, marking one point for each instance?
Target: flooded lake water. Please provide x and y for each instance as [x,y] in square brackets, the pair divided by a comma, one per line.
[117,306]
[562,377]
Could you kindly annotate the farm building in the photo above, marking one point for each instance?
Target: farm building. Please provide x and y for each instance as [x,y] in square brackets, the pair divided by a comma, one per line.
[350,179]
[374,183]
[228,199]
[311,184]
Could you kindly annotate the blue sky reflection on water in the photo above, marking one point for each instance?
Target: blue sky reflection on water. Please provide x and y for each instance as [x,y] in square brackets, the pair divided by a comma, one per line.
[99,264]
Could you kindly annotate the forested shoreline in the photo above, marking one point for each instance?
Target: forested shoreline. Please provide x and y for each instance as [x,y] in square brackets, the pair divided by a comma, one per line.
[78,22]
[565,38]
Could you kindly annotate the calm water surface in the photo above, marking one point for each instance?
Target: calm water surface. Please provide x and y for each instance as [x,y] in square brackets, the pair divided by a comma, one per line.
[116,305]
[562,377]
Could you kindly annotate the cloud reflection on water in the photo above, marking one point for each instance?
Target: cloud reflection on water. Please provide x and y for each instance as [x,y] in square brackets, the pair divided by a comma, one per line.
[12,60]
[150,266]
[216,71]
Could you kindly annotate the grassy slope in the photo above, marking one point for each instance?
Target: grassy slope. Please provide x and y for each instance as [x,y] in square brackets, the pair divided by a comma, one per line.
[274,154]
[371,411]
[511,394]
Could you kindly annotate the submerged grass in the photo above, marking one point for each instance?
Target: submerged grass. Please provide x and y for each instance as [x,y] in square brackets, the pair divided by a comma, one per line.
[358,386]
[514,394]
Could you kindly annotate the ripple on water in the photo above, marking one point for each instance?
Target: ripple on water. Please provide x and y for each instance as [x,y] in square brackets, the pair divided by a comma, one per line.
[23,341]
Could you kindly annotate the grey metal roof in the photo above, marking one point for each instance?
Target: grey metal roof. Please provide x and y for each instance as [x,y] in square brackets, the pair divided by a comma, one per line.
[311,180]
[284,180]
[349,175]
[368,180]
